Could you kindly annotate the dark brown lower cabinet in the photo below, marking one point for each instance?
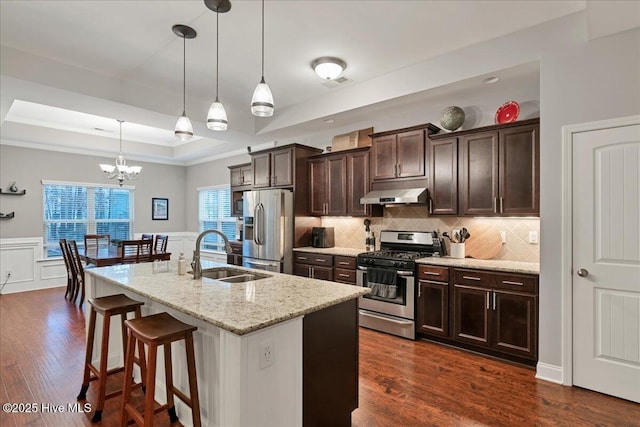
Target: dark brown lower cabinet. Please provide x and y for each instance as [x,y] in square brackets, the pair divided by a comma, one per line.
[433,308]
[496,311]
[314,266]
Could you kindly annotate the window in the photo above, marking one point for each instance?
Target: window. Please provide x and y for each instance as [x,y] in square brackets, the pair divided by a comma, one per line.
[72,210]
[214,212]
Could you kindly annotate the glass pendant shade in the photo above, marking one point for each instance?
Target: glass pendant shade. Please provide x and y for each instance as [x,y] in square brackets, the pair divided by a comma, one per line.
[262,101]
[184,130]
[217,116]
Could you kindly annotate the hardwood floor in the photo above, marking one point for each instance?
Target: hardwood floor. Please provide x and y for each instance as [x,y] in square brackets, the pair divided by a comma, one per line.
[402,383]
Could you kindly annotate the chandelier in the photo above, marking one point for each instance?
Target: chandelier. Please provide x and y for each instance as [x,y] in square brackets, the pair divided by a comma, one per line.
[120,171]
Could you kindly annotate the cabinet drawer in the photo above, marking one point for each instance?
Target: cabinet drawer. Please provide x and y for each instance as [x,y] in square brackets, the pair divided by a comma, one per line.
[236,248]
[429,272]
[314,259]
[344,276]
[474,278]
[516,282]
[344,262]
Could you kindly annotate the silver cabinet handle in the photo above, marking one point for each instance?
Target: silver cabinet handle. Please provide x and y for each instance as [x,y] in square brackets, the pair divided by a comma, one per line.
[419,291]
[507,282]
[501,204]
[304,258]
[430,206]
[494,301]
[471,278]
[583,272]
[311,272]
[431,273]
[399,169]
[343,263]
[495,203]
[488,294]
[320,260]
[343,275]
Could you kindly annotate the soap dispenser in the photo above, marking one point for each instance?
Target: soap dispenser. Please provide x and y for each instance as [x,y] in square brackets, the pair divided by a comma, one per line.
[182,264]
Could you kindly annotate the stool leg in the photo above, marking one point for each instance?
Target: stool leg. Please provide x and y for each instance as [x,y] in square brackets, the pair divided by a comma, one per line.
[104,353]
[127,383]
[87,360]
[151,384]
[142,363]
[168,374]
[193,382]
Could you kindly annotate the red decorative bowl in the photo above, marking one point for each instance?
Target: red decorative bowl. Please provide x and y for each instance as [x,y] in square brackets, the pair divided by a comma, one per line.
[508,112]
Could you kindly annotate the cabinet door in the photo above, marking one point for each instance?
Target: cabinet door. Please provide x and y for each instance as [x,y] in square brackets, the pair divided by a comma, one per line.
[303,270]
[410,154]
[443,177]
[282,168]
[318,186]
[261,166]
[519,170]
[358,183]
[337,185]
[235,176]
[246,175]
[384,157]
[515,323]
[322,273]
[433,308]
[478,184]
[471,318]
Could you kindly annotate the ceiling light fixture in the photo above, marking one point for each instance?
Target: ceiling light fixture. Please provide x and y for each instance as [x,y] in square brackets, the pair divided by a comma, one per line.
[262,101]
[120,171]
[328,67]
[184,130]
[217,116]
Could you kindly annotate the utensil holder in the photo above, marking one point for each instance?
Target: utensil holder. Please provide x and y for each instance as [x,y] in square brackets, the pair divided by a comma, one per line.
[457,250]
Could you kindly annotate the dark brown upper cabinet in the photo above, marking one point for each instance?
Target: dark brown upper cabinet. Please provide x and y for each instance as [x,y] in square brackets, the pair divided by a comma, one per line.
[443,176]
[273,168]
[241,176]
[337,182]
[400,154]
[498,171]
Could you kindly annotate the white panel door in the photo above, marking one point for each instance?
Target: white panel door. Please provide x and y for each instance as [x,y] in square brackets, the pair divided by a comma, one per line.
[606,261]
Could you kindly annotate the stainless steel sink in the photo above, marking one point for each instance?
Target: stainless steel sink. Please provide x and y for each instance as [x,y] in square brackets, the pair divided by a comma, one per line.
[232,275]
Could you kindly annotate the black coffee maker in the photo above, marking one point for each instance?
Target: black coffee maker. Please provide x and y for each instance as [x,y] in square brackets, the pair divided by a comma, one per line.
[322,237]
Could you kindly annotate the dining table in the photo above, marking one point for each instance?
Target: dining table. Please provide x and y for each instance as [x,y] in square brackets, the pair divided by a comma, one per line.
[103,256]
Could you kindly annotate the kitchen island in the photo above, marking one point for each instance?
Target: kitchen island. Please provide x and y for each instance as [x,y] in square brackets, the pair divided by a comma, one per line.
[309,328]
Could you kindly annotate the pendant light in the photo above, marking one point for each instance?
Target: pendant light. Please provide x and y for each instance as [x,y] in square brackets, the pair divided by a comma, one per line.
[120,171]
[262,101]
[217,116]
[184,130]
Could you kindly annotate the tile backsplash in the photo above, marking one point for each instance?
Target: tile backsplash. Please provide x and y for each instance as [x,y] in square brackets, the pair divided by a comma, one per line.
[349,232]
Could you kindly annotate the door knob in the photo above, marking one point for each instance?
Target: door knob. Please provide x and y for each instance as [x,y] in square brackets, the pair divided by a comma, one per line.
[583,273]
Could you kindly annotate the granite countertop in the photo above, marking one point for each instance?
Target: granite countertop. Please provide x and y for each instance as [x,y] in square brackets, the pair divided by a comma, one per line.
[331,251]
[240,308]
[482,264]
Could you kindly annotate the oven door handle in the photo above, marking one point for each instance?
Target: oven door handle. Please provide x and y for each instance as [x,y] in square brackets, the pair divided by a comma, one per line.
[404,273]
[385,318]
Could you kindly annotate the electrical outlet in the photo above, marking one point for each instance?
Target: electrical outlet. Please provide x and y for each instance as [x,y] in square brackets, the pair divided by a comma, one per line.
[503,236]
[267,354]
[533,237]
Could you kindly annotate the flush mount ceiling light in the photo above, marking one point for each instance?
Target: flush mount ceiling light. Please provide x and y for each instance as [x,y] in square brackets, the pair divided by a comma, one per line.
[262,101]
[184,130]
[217,116]
[120,171]
[328,67]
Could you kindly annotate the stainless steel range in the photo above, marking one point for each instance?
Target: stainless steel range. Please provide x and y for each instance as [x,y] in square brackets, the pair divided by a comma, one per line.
[390,274]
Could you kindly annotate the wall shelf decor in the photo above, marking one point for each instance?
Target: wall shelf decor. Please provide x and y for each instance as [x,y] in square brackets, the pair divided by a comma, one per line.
[11,193]
[7,216]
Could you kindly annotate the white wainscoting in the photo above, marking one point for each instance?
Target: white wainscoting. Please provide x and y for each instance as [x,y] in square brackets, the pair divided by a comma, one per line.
[30,270]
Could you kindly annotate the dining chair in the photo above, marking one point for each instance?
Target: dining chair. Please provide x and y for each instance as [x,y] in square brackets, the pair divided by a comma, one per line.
[130,251]
[78,270]
[161,243]
[146,247]
[147,236]
[64,248]
[94,241]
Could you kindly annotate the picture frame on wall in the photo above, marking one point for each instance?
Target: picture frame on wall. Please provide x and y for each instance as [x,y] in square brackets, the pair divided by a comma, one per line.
[159,208]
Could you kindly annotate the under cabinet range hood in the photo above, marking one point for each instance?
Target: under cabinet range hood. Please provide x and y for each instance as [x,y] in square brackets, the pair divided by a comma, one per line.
[395,196]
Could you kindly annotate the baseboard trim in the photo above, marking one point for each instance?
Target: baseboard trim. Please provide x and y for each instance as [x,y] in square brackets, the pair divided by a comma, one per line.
[549,373]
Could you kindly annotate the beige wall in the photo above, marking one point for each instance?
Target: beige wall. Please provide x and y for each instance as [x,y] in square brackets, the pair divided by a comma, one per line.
[28,167]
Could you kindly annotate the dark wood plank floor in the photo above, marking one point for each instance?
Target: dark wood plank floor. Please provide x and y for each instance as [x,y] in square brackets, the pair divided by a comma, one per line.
[402,383]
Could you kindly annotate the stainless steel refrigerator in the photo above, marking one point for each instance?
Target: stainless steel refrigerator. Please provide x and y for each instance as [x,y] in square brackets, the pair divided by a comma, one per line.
[268,230]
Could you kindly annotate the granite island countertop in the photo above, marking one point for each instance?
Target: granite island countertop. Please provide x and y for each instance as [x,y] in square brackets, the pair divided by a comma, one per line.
[484,264]
[240,308]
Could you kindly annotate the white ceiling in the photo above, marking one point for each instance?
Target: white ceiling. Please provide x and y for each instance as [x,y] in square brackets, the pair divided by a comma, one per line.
[121,60]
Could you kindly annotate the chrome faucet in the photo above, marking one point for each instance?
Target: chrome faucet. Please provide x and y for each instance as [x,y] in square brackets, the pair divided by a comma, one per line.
[196,266]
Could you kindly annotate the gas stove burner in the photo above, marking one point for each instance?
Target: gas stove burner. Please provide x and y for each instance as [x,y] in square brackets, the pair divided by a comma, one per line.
[395,254]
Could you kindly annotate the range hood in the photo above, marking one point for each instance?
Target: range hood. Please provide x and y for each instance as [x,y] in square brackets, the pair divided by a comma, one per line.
[395,196]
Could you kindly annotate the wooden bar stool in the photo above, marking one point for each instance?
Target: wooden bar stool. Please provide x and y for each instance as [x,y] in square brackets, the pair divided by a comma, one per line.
[108,306]
[155,330]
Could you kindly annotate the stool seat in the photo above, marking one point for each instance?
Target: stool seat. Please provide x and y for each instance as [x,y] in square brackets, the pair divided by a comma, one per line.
[108,306]
[114,303]
[160,328]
